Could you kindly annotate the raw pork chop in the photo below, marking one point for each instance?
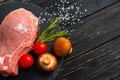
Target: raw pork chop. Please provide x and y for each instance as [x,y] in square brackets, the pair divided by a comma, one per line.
[17,35]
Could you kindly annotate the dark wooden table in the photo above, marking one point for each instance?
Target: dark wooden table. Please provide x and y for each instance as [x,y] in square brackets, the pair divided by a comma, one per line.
[96,41]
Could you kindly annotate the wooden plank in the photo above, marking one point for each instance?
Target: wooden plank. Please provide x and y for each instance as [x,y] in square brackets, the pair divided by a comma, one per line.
[92,34]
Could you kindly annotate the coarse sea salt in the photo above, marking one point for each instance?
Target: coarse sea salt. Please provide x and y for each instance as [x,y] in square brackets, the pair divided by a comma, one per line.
[68,15]
[19,27]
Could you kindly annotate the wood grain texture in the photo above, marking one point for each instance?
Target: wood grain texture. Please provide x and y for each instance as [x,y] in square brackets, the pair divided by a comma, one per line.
[90,36]
[102,63]
[99,27]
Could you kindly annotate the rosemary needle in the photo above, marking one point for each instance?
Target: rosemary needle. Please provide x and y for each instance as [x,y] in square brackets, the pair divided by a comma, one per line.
[52,32]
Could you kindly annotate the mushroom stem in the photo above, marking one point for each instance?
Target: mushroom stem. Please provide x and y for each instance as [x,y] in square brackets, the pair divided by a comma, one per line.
[71,50]
[46,61]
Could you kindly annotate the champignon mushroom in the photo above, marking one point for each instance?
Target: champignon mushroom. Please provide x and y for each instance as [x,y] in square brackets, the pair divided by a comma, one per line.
[47,62]
[62,47]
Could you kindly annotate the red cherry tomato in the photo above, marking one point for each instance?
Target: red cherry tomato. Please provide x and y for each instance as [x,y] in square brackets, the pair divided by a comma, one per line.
[26,61]
[40,48]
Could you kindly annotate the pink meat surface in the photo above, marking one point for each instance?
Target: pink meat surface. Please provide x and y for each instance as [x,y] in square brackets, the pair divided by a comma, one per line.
[18,32]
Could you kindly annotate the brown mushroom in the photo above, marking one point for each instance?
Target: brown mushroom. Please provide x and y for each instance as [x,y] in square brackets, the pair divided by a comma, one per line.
[62,47]
[47,62]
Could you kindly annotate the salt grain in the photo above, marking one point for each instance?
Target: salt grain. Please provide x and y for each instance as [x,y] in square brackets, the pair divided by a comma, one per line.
[46,13]
[82,13]
[80,4]
[55,3]
[76,12]
[44,19]
[72,7]
[85,10]
[46,7]
[78,19]
[68,8]
[73,22]
[68,37]
[67,2]
[51,6]
[81,21]
[98,32]
[58,5]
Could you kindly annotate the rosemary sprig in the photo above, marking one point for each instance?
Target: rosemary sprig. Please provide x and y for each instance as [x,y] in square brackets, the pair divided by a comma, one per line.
[52,32]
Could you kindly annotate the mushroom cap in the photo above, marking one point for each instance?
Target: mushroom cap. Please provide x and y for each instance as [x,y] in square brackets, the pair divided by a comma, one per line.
[62,47]
[47,62]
